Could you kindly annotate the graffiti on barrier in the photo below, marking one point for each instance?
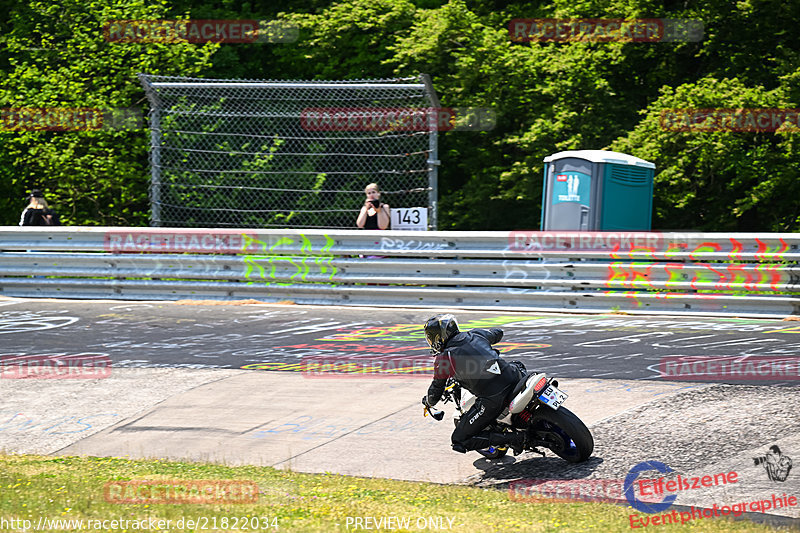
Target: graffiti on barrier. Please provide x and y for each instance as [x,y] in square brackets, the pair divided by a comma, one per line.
[397,244]
[766,276]
[267,263]
[699,276]
[533,271]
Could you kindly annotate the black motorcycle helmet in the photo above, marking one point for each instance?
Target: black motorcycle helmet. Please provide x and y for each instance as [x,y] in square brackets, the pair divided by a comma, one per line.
[438,330]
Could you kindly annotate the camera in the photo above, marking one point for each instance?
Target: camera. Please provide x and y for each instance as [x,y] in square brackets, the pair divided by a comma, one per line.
[376,203]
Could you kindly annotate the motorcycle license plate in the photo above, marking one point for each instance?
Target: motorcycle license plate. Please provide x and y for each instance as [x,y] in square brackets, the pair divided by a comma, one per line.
[553,397]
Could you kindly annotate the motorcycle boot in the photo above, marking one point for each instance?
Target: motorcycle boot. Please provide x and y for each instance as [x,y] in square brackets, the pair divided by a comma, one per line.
[516,440]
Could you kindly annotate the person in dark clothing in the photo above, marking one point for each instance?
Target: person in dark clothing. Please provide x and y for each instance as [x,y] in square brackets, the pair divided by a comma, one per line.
[476,366]
[374,214]
[38,213]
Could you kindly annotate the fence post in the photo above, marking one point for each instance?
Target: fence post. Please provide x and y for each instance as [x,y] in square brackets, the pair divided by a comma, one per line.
[433,159]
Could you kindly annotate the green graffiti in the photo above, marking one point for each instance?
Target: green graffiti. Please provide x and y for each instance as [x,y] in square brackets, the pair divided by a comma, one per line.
[493,321]
[256,265]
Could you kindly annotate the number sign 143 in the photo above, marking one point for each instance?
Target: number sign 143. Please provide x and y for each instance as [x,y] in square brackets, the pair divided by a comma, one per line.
[410,218]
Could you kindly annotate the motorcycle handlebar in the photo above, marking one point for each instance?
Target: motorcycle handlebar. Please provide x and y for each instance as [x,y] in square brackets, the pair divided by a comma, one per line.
[451,393]
[438,415]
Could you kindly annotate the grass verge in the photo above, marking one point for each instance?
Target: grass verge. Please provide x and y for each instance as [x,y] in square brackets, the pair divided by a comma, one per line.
[51,488]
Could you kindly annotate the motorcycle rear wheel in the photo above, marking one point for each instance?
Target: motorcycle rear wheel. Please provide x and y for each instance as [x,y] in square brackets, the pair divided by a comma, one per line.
[564,433]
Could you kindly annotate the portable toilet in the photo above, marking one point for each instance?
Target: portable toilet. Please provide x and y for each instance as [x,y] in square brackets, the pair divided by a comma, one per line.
[597,190]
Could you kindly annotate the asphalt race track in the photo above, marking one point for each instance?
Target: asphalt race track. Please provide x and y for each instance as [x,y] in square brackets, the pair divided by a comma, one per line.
[231,383]
[159,335]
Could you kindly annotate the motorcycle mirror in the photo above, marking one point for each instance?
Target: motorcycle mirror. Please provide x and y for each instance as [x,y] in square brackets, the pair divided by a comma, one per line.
[438,416]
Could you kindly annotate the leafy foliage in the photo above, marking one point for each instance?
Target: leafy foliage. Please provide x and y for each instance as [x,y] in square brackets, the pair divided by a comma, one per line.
[58,58]
[718,181]
[548,97]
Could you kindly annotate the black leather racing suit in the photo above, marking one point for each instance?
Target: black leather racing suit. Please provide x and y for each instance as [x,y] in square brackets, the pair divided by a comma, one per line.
[477,367]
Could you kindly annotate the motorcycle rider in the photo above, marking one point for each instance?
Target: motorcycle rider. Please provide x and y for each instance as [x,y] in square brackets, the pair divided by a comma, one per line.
[476,366]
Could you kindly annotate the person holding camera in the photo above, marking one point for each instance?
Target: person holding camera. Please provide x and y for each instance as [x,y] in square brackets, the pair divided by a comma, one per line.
[374,214]
[38,213]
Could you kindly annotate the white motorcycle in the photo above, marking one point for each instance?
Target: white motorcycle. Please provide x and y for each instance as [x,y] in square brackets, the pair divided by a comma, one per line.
[536,408]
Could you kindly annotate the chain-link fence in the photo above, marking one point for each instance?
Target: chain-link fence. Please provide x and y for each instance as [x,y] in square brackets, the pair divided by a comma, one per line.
[247,153]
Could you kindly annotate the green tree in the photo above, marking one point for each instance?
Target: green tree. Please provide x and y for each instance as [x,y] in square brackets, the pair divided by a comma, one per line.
[548,97]
[717,180]
[350,39]
[57,57]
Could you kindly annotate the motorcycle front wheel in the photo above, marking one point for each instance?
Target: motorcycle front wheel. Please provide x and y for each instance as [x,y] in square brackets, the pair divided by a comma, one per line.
[562,432]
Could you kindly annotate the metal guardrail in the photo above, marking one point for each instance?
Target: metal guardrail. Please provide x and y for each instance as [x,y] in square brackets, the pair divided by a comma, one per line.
[699,273]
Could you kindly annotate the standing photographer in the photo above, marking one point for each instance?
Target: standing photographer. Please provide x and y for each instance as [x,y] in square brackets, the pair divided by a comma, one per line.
[38,213]
[374,214]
